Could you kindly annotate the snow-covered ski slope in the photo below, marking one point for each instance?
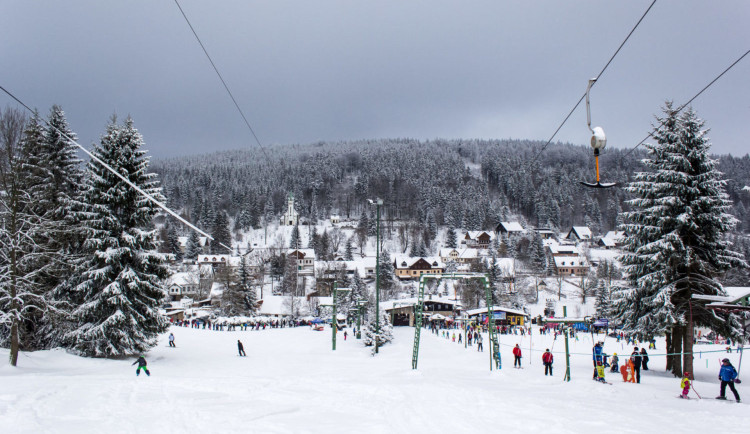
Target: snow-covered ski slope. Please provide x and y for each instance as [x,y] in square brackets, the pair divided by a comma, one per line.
[291,381]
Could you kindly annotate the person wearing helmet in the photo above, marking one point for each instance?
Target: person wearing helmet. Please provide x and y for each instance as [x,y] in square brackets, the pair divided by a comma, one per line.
[727,375]
[685,384]
[615,361]
[141,365]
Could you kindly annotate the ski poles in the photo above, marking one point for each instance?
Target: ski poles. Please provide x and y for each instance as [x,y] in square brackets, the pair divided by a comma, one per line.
[696,392]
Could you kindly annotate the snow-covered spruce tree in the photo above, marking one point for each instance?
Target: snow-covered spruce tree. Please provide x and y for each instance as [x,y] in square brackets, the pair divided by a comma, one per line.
[450,238]
[677,240]
[371,327]
[294,239]
[122,286]
[22,259]
[248,289]
[173,243]
[221,234]
[193,246]
[54,178]
[349,250]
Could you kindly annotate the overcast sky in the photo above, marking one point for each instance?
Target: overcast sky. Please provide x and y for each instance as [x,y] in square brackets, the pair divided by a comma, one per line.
[304,71]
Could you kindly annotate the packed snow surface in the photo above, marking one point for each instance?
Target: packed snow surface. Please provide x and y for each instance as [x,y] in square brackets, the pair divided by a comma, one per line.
[291,381]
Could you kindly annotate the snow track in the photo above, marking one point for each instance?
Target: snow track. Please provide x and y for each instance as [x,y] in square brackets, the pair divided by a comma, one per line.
[291,381]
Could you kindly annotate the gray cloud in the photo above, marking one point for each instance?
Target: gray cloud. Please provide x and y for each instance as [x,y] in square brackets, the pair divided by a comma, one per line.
[327,70]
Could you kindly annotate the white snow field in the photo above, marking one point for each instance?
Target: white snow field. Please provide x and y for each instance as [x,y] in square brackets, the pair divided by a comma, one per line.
[291,381]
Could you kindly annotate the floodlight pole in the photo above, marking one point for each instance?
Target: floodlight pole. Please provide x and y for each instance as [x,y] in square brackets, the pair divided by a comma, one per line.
[377,203]
[567,350]
[334,320]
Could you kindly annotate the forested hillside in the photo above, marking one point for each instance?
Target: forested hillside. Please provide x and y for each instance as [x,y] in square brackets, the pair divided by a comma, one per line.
[471,184]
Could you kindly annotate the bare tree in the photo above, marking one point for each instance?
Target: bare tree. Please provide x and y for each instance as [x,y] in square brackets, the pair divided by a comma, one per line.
[20,255]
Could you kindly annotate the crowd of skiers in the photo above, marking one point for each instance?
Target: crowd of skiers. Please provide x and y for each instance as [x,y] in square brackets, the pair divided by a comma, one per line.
[630,370]
[248,325]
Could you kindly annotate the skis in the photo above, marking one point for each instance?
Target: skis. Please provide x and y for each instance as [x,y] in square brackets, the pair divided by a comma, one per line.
[726,400]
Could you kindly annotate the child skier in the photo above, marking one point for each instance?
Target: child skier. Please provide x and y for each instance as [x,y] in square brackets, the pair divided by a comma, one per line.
[171,340]
[685,384]
[142,365]
[615,361]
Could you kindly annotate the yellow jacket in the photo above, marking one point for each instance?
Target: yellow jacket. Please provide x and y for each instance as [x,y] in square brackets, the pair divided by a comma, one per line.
[685,382]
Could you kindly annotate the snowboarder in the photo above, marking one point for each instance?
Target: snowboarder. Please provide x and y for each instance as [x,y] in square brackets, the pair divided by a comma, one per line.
[727,375]
[240,348]
[478,339]
[685,384]
[142,365]
[644,359]
[615,361]
[171,340]
[517,356]
[635,357]
[547,359]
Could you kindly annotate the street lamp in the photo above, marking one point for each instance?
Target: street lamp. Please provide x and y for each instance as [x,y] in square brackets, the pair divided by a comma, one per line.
[377,204]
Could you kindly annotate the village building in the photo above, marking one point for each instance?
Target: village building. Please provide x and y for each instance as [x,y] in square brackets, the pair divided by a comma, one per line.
[402,312]
[613,239]
[406,267]
[580,234]
[184,284]
[509,228]
[502,316]
[463,257]
[478,239]
[290,217]
[545,234]
[305,260]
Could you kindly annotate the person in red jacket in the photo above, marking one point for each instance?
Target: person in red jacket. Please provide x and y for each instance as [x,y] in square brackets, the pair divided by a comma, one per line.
[547,360]
[517,355]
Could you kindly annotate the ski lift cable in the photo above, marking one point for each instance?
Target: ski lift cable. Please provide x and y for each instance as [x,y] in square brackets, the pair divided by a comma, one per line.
[682,107]
[205,51]
[598,77]
[116,173]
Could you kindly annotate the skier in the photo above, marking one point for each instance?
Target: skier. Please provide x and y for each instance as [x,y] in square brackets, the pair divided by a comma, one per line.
[171,340]
[685,384]
[142,365]
[547,359]
[517,356]
[615,361]
[597,358]
[344,334]
[727,375]
[644,359]
[240,348]
[459,338]
[478,340]
[635,357]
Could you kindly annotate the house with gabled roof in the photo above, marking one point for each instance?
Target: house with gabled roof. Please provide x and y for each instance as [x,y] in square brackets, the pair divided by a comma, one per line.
[461,256]
[305,260]
[509,228]
[579,234]
[478,239]
[407,267]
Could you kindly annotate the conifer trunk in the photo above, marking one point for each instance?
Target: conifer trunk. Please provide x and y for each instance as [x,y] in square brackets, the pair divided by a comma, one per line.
[669,348]
[677,337]
[687,340]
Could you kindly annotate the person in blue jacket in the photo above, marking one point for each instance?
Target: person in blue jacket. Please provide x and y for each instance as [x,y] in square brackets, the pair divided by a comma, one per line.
[727,374]
[598,359]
